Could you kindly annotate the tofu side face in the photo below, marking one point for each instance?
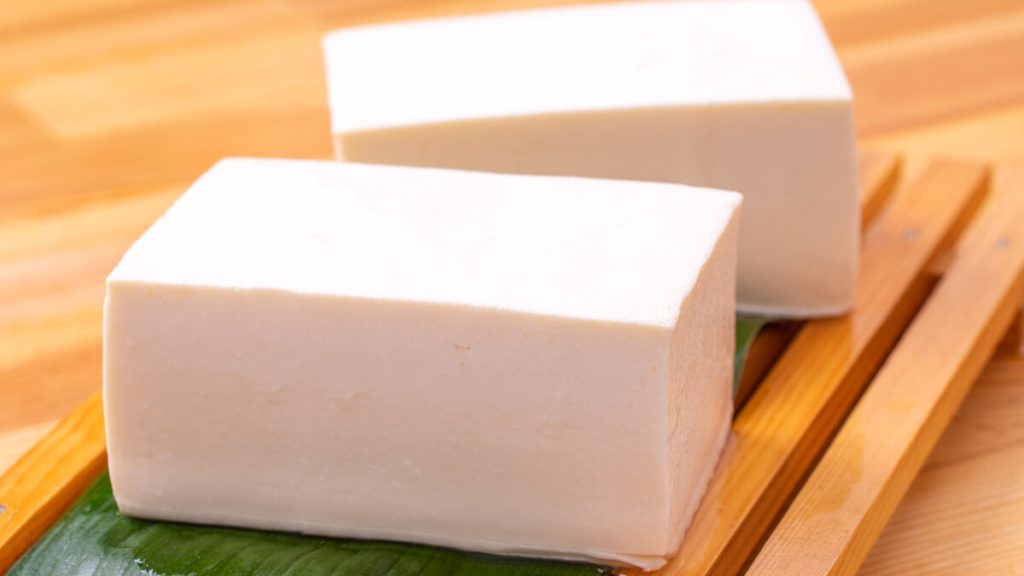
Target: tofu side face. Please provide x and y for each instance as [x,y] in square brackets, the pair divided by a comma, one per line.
[382,420]
[234,397]
[738,95]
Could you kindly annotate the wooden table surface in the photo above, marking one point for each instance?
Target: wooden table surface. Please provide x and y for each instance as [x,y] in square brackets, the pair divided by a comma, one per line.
[109,108]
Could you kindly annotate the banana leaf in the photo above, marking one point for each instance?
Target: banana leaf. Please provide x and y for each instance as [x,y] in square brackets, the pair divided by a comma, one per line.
[93,539]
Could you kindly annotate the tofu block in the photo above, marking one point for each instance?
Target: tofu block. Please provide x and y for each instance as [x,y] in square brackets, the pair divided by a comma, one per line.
[744,95]
[511,364]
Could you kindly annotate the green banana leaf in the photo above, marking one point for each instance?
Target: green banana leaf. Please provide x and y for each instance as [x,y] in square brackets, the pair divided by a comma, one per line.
[93,539]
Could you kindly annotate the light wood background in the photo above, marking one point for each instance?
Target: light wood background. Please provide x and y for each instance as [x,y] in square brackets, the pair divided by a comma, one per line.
[109,108]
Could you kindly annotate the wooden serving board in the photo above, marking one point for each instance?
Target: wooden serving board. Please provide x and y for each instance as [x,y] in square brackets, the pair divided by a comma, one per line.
[932,298]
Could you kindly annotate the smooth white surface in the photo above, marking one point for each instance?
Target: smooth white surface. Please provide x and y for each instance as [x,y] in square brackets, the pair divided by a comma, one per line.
[601,57]
[743,95]
[582,248]
[518,365]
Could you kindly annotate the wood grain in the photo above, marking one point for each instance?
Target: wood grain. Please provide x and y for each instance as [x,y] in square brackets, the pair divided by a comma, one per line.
[963,513]
[40,486]
[15,443]
[840,511]
[908,101]
[879,173]
[801,401]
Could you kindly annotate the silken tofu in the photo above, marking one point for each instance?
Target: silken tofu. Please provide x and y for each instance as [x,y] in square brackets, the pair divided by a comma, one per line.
[733,94]
[510,364]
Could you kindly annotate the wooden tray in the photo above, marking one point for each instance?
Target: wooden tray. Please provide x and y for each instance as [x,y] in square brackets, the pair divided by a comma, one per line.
[941,277]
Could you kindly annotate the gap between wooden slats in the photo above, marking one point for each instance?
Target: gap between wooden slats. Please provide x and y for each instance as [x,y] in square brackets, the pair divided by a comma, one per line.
[846,502]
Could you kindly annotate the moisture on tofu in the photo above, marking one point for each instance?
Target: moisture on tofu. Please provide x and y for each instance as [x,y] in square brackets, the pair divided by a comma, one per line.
[744,95]
[509,364]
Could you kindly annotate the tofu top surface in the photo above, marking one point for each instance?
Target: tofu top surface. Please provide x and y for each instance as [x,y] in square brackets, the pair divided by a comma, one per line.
[579,59]
[602,250]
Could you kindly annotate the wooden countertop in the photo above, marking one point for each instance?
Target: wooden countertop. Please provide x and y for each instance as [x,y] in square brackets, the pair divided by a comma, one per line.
[109,108]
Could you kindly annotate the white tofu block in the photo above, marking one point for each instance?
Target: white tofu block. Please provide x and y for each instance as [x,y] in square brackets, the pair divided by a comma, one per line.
[743,95]
[511,364]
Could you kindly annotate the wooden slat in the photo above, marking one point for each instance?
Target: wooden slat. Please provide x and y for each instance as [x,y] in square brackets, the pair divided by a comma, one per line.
[842,509]
[794,411]
[962,514]
[44,483]
[879,172]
